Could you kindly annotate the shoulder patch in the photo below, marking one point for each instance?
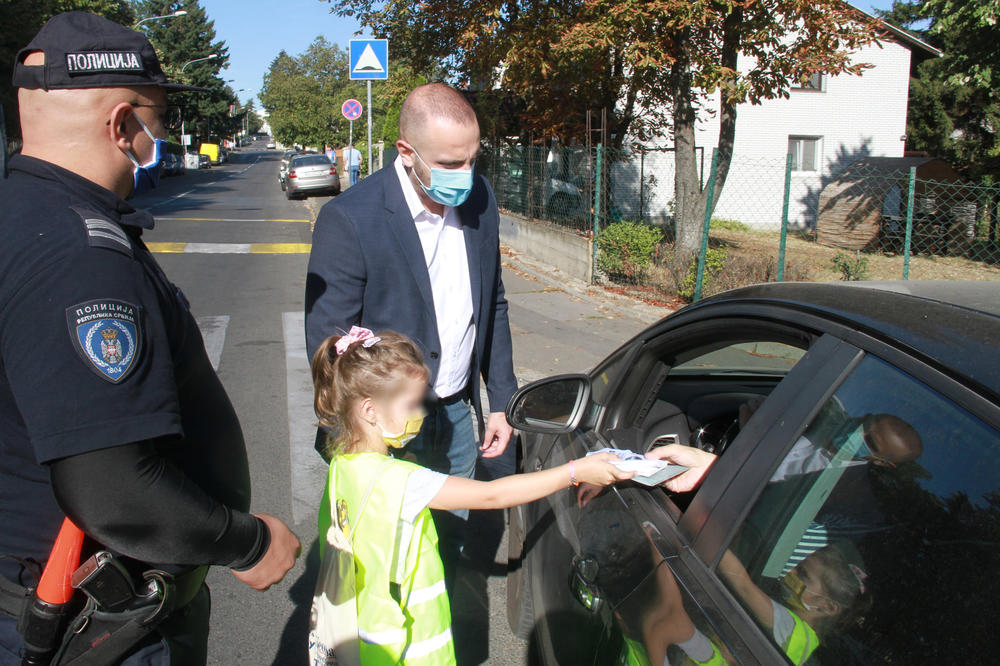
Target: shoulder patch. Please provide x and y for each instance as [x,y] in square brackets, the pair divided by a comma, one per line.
[102,232]
[107,334]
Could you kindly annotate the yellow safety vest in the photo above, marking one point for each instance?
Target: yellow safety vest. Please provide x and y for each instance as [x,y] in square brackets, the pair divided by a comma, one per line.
[803,641]
[403,611]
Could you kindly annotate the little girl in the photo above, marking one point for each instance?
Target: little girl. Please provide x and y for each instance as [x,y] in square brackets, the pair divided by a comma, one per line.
[369,390]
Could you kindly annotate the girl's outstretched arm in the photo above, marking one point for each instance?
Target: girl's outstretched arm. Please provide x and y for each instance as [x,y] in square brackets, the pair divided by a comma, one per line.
[461,493]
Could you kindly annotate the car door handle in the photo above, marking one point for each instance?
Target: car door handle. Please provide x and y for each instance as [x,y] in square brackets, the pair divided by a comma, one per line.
[582,576]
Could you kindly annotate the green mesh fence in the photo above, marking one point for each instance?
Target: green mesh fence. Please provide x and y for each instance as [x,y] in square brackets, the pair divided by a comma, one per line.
[867,218]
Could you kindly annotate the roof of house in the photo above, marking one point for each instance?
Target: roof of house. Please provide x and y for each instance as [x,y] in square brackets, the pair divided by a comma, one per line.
[904,36]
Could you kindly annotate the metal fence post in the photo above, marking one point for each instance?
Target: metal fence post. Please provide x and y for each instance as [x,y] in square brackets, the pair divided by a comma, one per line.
[909,222]
[784,218]
[642,182]
[706,227]
[597,211]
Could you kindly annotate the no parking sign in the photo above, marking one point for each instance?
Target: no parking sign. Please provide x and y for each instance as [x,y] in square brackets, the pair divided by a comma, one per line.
[351,109]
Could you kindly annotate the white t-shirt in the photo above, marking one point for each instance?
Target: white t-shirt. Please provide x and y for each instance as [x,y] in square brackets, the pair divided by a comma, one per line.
[421,487]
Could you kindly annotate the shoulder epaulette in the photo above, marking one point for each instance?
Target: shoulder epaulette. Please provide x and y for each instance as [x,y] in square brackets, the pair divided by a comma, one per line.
[102,232]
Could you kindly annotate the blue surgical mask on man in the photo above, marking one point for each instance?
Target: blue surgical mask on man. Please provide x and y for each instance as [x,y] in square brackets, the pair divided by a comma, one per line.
[147,176]
[449,187]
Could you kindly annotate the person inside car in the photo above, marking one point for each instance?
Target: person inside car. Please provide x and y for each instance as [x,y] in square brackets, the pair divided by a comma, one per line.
[822,595]
[888,441]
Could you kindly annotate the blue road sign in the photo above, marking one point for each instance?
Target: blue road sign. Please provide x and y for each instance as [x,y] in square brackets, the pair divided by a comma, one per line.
[369,59]
[351,109]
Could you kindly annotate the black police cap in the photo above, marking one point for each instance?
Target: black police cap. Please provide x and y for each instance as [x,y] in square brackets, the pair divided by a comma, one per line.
[83,50]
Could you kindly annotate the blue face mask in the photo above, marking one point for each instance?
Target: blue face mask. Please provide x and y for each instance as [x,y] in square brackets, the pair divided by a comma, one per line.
[449,187]
[147,176]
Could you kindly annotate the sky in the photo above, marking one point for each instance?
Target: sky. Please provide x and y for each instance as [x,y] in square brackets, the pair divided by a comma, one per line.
[257,30]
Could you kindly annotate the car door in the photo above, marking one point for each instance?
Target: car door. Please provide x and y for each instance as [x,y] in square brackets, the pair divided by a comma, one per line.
[689,391]
[880,545]
[585,565]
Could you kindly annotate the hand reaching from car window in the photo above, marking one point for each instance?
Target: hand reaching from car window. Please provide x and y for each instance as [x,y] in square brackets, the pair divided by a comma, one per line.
[697,461]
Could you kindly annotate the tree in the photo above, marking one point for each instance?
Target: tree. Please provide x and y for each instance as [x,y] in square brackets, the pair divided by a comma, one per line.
[254,121]
[303,95]
[954,106]
[653,64]
[23,18]
[177,42]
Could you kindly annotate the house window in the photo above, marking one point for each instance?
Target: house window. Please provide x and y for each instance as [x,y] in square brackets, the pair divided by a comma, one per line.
[814,82]
[805,152]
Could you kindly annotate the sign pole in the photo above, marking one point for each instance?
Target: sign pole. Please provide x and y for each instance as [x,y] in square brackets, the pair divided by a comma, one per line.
[369,128]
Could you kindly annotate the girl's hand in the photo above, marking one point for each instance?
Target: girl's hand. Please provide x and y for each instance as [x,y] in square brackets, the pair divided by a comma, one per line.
[598,470]
[698,462]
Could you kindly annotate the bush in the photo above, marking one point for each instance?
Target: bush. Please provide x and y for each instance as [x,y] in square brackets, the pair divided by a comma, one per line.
[851,268]
[727,225]
[625,250]
[715,262]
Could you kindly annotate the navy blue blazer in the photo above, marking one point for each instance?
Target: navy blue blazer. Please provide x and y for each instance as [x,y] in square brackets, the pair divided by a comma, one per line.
[367,268]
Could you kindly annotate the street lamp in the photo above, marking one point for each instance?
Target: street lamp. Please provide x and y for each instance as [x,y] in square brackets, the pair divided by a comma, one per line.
[210,56]
[179,12]
[243,124]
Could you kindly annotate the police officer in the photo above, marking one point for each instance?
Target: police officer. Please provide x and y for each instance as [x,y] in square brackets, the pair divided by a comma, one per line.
[110,411]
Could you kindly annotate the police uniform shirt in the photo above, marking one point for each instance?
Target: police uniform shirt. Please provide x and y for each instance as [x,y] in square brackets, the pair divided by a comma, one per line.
[97,349]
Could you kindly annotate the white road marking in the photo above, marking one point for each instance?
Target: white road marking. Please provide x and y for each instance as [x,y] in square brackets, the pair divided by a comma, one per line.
[183,194]
[213,332]
[218,248]
[308,471]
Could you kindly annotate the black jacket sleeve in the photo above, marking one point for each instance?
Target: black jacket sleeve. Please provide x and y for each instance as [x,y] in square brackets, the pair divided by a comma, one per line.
[133,500]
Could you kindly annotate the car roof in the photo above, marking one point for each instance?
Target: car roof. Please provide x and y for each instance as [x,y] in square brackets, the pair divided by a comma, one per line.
[954,325]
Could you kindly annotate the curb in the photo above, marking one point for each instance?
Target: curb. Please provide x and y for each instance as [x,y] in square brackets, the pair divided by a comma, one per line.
[621,305]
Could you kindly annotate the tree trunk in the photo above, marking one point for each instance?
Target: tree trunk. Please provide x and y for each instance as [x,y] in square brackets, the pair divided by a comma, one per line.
[690,200]
[687,188]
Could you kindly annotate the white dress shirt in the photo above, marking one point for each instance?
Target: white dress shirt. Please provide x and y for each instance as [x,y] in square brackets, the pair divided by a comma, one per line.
[443,242]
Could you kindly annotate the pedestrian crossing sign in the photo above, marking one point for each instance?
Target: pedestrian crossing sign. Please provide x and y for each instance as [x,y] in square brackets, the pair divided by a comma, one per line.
[369,59]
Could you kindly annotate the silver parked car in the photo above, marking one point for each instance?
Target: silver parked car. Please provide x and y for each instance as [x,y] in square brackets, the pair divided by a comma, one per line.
[311,173]
[286,159]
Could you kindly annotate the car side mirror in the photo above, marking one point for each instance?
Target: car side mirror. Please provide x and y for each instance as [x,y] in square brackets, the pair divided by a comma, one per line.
[555,405]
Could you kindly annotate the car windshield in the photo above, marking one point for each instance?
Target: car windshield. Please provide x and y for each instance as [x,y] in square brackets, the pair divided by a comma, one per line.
[311,160]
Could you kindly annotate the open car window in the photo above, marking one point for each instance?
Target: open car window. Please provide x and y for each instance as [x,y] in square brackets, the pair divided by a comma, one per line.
[751,357]
[877,538]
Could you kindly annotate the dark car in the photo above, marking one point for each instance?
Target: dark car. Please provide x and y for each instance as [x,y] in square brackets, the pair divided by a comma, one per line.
[852,515]
[204,161]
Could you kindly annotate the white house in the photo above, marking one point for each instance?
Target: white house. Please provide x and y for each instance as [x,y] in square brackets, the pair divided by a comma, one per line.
[825,125]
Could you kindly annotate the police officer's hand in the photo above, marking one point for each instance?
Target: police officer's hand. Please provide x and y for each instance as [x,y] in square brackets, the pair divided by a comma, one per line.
[279,558]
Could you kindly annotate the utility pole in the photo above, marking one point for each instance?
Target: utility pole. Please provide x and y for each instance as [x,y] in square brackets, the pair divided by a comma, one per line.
[369,127]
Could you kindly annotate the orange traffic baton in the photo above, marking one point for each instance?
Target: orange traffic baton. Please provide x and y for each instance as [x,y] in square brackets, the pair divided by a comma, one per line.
[45,619]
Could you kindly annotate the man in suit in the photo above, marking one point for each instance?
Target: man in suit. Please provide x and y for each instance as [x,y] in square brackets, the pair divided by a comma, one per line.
[415,248]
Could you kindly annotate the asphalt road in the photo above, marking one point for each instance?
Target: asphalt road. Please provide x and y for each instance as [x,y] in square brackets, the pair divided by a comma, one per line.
[239,249]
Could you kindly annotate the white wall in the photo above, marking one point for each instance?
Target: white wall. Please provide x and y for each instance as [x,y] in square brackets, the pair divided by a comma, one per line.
[857,116]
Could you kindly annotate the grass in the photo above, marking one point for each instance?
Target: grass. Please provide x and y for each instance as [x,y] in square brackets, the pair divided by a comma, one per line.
[816,260]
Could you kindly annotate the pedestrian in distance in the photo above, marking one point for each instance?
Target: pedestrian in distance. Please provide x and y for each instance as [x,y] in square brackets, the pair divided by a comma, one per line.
[110,411]
[415,248]
[369,389]
[352,160]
